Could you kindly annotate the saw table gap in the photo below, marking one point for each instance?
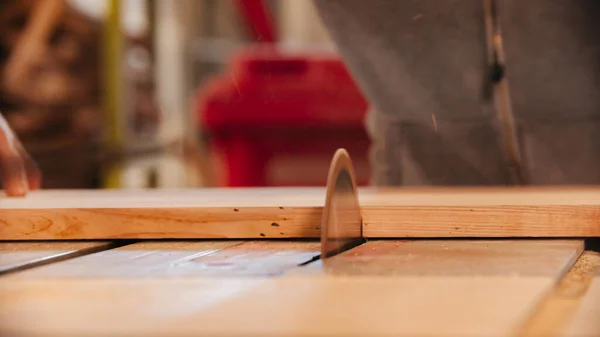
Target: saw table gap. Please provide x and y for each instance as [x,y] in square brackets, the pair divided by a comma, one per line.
[314,259]
[593,245]
[21,256]
[349,246]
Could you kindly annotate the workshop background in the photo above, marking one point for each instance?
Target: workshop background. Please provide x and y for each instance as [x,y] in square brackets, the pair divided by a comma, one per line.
[175,94]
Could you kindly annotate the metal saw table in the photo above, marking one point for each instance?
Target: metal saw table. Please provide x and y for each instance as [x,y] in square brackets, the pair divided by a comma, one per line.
[248,262]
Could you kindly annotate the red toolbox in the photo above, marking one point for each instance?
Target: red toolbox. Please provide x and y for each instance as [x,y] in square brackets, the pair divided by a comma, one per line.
[276,118]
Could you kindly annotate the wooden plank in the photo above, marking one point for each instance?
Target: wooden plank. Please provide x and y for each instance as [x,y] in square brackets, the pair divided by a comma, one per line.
[363,306]
[211,213]
[416,302]
[371,306]
[485,212]
[452,258]
[411,298]
[140,287]
[108,307]
[183,259]
[20,255]
[248,213]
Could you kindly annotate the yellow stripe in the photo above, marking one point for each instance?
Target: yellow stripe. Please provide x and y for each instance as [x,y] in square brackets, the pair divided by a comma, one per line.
[112,85]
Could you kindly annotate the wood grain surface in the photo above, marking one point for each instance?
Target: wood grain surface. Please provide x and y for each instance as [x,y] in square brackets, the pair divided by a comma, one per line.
[417,288]
[481,212]
[20,255]
[373,306]
[180,259]
[475,296]
[159,214]
[109,307]
[358,306]
[470,258]
[259,213]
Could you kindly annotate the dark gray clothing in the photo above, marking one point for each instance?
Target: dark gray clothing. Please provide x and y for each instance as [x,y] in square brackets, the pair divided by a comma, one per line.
[423,66]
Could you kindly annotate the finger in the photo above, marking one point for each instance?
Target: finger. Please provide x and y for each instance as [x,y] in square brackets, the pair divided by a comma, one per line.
[13,171]
[13,176]
[32,171]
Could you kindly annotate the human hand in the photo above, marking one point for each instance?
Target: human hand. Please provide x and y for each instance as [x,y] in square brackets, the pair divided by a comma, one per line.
[19,172]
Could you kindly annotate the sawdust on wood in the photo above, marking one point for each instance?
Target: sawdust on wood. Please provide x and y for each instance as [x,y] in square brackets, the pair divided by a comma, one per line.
[558,307]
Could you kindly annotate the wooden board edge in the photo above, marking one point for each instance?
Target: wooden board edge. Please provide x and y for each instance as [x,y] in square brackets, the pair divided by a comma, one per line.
[572,221]
[167,223]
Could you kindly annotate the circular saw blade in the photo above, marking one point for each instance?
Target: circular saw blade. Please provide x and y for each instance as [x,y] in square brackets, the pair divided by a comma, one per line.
[341,228]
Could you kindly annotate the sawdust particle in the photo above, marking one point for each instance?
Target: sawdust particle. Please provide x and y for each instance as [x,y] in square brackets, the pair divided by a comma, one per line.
[555,310]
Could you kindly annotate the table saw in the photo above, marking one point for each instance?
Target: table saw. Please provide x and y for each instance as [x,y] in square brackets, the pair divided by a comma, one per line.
[333,261]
